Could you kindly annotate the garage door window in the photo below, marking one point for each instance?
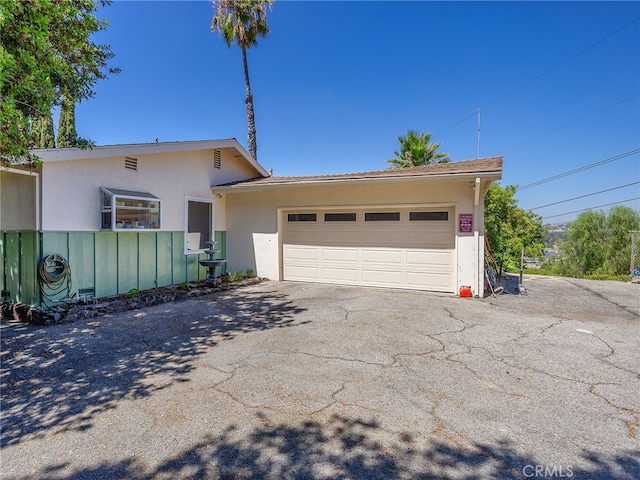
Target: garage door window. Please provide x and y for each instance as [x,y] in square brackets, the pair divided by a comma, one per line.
[382,217]
[429,216]
[339,217]
[301,217]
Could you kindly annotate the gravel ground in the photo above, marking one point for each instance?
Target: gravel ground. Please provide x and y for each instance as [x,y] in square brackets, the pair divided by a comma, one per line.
[310,381]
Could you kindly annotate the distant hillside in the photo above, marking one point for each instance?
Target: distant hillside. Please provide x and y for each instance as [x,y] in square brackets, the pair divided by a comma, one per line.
[556,233]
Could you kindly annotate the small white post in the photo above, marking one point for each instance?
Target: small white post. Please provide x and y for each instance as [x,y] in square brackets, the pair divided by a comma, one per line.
[478,131]
[633,252]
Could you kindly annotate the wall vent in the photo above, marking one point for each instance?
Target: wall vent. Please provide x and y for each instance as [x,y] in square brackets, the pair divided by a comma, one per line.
[131,163]
[217,159]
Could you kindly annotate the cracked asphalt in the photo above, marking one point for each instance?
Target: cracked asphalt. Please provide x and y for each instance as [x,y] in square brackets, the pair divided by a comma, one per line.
[310,381]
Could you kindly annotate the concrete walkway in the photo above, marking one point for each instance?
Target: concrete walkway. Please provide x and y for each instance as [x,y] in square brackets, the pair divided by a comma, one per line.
[307,381]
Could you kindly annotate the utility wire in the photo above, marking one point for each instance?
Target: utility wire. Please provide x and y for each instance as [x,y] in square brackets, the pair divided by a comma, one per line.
[583,196]
[457,123]
[565,125]
[591,208]
[563,62]
[586,167]
[546,72]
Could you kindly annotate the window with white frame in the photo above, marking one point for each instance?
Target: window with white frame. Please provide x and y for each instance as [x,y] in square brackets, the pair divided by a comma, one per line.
[198,224]
[129,210]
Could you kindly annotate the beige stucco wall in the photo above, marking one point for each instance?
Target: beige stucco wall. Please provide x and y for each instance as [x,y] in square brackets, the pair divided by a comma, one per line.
[252,219]
[71,189]
[17,200]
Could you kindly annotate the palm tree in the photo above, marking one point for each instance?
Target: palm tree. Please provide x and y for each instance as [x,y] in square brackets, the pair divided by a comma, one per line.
[243,22]
[416,149]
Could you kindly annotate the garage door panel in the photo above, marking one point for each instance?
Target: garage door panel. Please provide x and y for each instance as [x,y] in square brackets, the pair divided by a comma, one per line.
[301,236]
[337,275]
[339,255]
[391,257]
[430,281]
[382,277]
[304,273]
[429,258]
[433,239]
[332,237]
[382,238]
[301,252]
[399,254]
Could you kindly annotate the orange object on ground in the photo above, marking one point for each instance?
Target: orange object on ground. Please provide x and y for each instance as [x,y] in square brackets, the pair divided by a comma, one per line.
[465,291]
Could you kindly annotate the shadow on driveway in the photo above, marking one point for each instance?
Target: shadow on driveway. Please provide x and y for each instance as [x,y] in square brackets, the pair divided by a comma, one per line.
[63,376]
[348,448]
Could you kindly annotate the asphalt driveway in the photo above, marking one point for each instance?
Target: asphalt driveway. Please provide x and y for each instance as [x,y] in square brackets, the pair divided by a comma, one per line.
[305,381]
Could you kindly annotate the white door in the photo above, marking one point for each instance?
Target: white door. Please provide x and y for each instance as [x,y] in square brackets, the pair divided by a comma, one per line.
[410,248]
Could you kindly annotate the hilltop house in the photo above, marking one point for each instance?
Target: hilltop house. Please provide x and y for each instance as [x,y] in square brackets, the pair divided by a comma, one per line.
[138,216]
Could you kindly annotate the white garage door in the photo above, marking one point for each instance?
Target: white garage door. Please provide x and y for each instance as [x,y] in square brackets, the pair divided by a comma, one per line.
[401,248]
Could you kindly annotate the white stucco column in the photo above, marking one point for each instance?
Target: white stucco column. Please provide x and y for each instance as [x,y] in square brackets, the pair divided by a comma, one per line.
[479,252]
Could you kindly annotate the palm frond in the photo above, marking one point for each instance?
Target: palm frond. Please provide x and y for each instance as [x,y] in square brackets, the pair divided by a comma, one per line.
[241,21]
[416,149]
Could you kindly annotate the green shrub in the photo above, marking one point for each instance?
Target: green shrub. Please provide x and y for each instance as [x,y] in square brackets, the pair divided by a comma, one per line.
[602,276]
[236,276]
[133,293]
[250,274]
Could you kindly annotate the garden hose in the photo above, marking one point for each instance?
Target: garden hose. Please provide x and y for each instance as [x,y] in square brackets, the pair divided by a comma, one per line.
[55,277]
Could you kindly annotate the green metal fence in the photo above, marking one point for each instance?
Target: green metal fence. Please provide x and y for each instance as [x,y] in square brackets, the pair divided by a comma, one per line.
[110,263]
[19,252]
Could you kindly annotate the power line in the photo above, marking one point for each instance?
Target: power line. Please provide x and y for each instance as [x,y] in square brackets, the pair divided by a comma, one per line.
[586,167]
[546,72]
[591,208]
[456,124]
[566,124]
[563,62]
[583,196]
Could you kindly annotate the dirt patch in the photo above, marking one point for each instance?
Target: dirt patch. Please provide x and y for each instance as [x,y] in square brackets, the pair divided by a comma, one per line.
[72,311]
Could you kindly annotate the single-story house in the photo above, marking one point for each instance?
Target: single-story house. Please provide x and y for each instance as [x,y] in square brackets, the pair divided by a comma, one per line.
[137,216]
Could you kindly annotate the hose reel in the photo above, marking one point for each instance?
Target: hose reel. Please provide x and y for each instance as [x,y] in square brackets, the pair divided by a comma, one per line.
[55,277]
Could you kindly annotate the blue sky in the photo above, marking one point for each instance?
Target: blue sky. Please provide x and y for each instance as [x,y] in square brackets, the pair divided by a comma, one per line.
[336,82]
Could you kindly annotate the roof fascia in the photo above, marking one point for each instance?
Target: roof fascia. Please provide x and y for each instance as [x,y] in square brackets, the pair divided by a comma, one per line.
[448,177]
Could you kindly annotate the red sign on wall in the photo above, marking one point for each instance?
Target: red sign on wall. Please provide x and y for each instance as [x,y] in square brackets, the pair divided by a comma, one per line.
[465,222]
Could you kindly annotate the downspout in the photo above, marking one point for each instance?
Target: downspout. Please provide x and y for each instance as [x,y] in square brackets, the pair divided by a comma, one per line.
[479,263]
[38,204]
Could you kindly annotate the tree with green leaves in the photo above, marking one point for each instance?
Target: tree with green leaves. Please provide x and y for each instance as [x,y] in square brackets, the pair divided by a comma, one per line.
[67,134]
[243,22]
[583,250]
[598,243]
[45,49]
[620,222]
[509,228]
[416,149]
[42,131]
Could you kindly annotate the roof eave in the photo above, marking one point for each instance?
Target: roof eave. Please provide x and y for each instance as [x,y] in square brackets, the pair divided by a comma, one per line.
[249,187]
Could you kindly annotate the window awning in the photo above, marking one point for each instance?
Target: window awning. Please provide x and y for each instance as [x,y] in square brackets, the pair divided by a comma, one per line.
[128,193]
